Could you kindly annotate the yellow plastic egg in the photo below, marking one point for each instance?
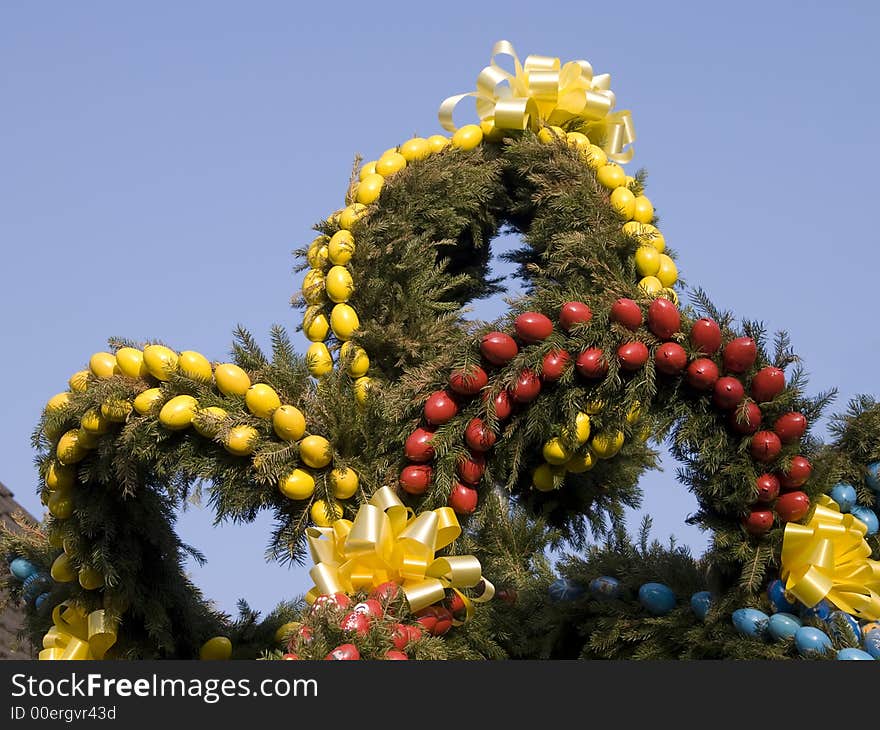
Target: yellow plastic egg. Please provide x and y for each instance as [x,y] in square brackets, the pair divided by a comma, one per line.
[58,401]
[647,261]
[670,294]
[79,381]
[241,440]
[344,321]
[194,366]
[285,631]
[299,484]
[323,514]
[207,421]
[262,400]
[623,202]
[315,451]
[594,407]
[356,360]
[338,284]
[87,440]
[368,168]
[116,410]
[161,361]
[351,214]
[146,401]
[313,286]
[71,447]
[362,387]
[389,163]
[578,140]
[103,365]
[316,327]
[643,211]
[555,452]
[93,422]
[344,482]
[646,234]
[650,285]
[131,362]
[219,648]
[62,569]
[370,188]
[467,137]
[60,477]
[668,272]
[416,148]
[60,505]
[581,429]
[90,579]
[634,413]
[581,462]
[178,413]
[611,176]
[438,143]
[231,379]
[606,445]
[289,423]
[548,135]
[341,248]
[319,361]
[595,157]
[318,252]
[544,477]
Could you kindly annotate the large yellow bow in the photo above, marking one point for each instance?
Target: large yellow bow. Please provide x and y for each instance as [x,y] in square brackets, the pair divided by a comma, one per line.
[829,558]
[77,635]
[387,542]
[543,91]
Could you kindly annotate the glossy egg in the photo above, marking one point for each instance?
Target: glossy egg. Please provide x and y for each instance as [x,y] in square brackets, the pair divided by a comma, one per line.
[231,379]
[161,361]
[845,496]
[289,423]
[872,477]
[657,599]
[218,648]
[103,365]
[779,598]
[241,440]
[701,603]
[178,413]
[866,515]
[194,366]
[871,643]
[131,362]
[821,610]
[341,248]
[850,654]
[299,484]
[262,400]
[344,321]
[605,587]
[811,642]
[750,621]
[839,619]
[564,589]
[146,401]
[315,451]
[22,568]
[207,421]
[783,626]
[339,284]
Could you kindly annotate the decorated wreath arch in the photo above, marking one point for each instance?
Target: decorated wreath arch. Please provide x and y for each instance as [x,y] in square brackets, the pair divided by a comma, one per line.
[422,461]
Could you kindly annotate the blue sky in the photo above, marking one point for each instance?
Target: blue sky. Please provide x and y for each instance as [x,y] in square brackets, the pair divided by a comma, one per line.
[159,162]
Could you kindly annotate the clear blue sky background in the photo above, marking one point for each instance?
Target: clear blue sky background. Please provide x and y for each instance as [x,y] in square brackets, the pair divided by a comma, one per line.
[159,162]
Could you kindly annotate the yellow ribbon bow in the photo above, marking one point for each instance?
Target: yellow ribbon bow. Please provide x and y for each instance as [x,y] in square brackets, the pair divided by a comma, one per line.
[829,558]
[387,542]
[77,635]
[543,91]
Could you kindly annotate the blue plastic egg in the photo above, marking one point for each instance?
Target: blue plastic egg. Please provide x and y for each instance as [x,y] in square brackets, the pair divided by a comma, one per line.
[868,626]
[854,655]
[868,516]
[657,598]
[821,610]
[872,643]
[838,617]
[845,496]
[605,587]
[34,585]
[22,568]
[873,476]
[811,641]
[40,600]
[783,626]
[750,621]
[779,598]
[701,603]
[563,589]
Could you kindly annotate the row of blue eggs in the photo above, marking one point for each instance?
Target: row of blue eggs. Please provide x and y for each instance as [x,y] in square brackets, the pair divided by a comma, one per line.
[845,496]
[603,587]
[22,568]
[35,584]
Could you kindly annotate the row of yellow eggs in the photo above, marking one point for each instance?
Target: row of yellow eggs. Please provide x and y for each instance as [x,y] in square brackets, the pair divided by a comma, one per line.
[300,483]
[320,362]
[559,460]
[336,284]
[63,571]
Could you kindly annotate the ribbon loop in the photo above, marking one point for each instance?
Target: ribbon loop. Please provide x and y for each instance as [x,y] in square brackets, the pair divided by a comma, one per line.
[76,635]
[542,91]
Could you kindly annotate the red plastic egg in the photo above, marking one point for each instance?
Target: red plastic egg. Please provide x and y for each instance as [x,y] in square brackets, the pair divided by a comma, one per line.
[344,652]
[440,408]
[765,446]
[335,600]
[706,336]
[728,393]
[554,364]
[533,327]
[385,592]
[290,657]
[792,506]
[479,436]
[758,522]
[797,474]
[503,406]
[470,382]
[632,355]
[499,348]
[702,373]
[670,358]
[768,488]
[746,420]
[418,446]
[790,427]
[739,354]
[471,470]
[526,388]
[767,384]
[573,313]
[393,655]
[663,318]
[627,312]
[591,363]
[400,636]
[357,623]
[416,478]
[435,620]
[462,499]
[371,607]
